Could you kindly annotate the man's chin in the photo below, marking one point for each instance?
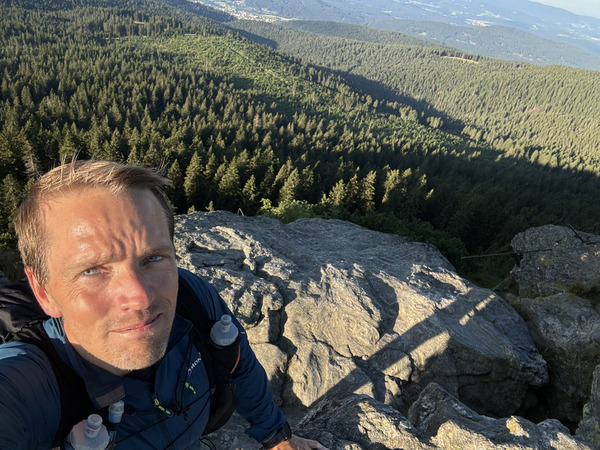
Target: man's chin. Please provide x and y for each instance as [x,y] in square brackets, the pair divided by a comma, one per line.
[121,353]
[135,359]
[138,352]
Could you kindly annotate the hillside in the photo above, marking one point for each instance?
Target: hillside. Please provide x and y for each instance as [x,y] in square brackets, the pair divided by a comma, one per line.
[240,126]
[544,21]
[497,42]
[359,33]
[545,115]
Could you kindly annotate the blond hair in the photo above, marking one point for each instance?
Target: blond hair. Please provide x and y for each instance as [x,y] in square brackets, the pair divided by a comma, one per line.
[115,178]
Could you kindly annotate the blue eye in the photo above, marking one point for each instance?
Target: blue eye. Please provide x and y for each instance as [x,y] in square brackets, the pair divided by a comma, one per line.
[91,272]
[154,258]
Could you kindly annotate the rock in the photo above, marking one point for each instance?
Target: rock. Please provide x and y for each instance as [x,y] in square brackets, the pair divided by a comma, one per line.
[360,422]
[361,311]
[275,362]
[4,281]
[566,330]
[230,437]
[452,425]
[436,421]
[564,326]
[589,427]
[566,264]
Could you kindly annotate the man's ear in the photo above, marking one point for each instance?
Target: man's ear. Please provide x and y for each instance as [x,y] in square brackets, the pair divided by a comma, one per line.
[46,302]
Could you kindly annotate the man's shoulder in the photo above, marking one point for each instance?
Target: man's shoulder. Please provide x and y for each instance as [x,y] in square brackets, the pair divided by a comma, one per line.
[202,291]
[26,371]
[18,352]
[18,357]
[29,397]
[197,283]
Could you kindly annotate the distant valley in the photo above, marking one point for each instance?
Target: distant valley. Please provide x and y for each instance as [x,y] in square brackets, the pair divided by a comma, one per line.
[495,41]
[514,30]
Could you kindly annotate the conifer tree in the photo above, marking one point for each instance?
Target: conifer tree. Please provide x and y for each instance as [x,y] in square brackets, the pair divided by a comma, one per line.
[291,188]
[230,189]
[11,193]
[152,157]
[250,196]
[176,190]
[393,191]
[366,197]
[266,184]
[352,194]
[338,194]
[193,181]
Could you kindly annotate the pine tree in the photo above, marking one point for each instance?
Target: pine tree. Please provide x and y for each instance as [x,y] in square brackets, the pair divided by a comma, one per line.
[266,185]
[176,190]
[352,194]
[366,197]
[393,191]
[193,181]
[11,194]
[338,194]
[230,189]
[153,157]
[291,188]
[250,196]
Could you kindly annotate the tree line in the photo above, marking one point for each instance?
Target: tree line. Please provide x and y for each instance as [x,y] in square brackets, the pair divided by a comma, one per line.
[549,115]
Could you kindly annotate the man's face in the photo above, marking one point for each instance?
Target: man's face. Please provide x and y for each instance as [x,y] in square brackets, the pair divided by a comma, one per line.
[112,276]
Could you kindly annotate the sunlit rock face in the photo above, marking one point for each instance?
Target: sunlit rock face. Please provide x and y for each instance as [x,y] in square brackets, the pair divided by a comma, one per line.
[557,293]
[556,260]
[452,425]
[333,308]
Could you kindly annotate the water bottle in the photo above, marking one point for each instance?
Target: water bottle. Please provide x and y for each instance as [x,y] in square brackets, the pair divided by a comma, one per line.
[88,434]
[115,414]
[223,333]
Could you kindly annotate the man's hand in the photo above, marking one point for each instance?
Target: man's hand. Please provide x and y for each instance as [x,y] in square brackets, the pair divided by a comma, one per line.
[298,443]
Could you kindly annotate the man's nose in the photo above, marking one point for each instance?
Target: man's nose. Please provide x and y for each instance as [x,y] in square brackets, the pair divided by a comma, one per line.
[136,290]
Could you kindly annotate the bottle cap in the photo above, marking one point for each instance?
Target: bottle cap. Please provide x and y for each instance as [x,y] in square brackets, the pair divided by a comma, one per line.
[222,333]
[93,425]
[225,324]
[115,411]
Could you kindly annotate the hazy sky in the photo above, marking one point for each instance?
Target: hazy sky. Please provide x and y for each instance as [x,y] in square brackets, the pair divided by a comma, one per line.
[583,7]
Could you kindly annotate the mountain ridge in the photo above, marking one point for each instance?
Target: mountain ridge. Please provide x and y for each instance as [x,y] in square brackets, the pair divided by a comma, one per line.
[495,41]
[535,18]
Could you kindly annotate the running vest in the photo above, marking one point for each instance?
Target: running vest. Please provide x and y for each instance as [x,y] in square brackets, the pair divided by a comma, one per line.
[22,318]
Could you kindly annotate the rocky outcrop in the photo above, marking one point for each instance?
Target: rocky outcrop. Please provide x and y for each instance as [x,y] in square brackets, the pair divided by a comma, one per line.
[360,422]
[559,268]
[333,308]
[435,421]
[566,330]
[589,427]
[555,260]
[452,425]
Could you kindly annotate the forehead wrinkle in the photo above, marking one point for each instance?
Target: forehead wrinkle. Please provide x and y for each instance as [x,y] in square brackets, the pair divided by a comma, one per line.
[118,231]
[115,243]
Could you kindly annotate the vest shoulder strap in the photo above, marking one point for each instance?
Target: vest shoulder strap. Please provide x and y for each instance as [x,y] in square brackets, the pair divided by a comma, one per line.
[21,319]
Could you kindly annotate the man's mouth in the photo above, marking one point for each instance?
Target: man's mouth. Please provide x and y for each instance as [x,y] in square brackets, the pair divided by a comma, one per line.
[140,327]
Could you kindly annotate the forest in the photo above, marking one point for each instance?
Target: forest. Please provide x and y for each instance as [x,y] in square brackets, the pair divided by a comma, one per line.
[494,41]
[239,126]
[547,115]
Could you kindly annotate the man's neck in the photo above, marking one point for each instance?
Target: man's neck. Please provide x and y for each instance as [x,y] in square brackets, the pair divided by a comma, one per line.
[98,362]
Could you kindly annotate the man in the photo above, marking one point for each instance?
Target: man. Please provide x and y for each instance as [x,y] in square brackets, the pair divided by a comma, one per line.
[96,240]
